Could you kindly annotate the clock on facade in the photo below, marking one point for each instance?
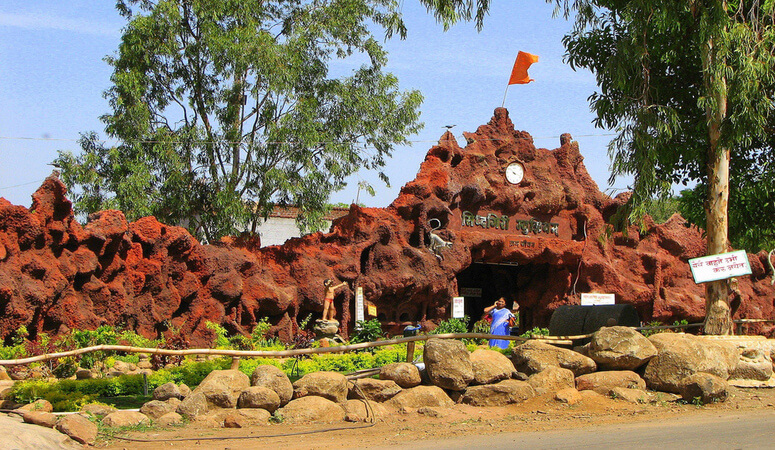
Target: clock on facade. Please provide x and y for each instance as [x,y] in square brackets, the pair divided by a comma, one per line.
[515,172]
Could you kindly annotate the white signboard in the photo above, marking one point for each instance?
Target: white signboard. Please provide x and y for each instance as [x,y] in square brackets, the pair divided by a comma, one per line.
[593,298]
[720,267]
[471,292]
[458,307]
[359,304]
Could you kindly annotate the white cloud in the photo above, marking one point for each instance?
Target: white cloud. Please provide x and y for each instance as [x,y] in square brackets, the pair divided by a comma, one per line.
[42,22]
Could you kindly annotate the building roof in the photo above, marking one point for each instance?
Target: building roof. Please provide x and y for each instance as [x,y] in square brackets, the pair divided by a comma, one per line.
[290,212]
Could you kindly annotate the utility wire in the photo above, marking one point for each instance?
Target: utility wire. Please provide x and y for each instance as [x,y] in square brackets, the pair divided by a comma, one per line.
[22,138]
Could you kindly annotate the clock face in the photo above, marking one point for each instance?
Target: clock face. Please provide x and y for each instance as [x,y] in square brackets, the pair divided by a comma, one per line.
[514,173]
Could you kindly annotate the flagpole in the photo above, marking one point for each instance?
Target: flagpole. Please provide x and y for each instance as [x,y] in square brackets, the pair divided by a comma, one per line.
[504,96]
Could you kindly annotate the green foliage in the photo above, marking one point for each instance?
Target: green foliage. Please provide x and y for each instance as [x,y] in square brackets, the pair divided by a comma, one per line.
[66,368]
[682,84]
[751,205]
[224,109]
[480,326]
[256,341]
[535,332]
[656,323]
[367,331]
[248,365]
[653,323]
[452,326]
[192,373]
[394,353]
[221,340]
[104,335]
[70,395]
[662,208]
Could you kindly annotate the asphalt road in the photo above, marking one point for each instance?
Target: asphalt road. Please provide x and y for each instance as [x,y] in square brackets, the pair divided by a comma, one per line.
[718,430]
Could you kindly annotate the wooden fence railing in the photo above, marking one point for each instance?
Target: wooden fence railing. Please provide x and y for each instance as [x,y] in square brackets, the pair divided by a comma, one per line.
[558,340]
[279,353]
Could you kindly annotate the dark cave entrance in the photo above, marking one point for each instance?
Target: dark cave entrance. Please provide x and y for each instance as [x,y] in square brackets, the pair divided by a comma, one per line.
[483,283]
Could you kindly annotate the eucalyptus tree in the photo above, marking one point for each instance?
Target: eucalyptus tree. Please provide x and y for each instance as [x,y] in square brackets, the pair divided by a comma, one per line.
[224,108]
[686,84]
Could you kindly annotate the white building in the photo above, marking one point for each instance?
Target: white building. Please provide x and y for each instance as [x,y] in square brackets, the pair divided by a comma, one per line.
[281,225]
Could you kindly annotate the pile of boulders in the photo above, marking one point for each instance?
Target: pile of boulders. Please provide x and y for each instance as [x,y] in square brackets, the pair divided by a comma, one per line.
[618,362]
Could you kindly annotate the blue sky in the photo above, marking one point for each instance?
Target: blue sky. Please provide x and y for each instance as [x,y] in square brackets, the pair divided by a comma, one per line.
[52,76]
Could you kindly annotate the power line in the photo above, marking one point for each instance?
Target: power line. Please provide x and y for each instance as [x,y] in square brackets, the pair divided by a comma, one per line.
[21,138]
[23,184]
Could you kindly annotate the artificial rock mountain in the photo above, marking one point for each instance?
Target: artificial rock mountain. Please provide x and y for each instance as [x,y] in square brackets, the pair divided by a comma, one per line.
[540,242]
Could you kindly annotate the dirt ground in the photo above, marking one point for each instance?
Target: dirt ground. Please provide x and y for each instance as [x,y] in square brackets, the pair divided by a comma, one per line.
[537,414]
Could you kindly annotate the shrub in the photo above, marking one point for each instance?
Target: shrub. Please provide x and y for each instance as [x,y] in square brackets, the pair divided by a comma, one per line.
[248,365]
[367,331]
[452,326]
[535,332]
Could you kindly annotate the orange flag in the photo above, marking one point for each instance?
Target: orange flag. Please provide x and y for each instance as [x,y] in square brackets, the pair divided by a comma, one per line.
[519,72]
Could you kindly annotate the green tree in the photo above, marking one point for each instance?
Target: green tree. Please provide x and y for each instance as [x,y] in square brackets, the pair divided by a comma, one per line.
[685,83]
[224,108]
[751,201]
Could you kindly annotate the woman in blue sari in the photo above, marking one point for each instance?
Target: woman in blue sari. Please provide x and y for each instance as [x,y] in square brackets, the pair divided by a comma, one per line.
[500,322]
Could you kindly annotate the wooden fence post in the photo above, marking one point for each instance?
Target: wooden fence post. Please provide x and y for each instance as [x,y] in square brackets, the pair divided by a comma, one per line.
[410,351]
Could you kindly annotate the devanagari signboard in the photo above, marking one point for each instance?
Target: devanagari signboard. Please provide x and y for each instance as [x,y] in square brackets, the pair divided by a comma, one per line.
[593,298]
[359,304]
[458,307]
[720,267]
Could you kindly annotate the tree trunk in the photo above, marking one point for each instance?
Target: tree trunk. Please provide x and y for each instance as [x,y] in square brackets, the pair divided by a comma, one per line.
[718,320]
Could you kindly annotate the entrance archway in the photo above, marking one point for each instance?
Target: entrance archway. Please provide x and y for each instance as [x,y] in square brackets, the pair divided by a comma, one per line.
[529,285]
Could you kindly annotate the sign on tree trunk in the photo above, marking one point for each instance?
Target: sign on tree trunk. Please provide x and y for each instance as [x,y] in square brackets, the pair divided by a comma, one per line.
[720,266]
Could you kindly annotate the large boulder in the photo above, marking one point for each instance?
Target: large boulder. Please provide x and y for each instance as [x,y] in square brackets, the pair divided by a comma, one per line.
[169,419]
[420,396]
[271,377]
[222,388]
[167,391]
[97,410]
[125,419]
[448,364]
[363,410]
[490,366]
[603,382]
[78,427]
[193,406]
[551,380]
[754,364]
[157,408]
[38,405]
[406,375]
[43,419]
[374,390]
[620,348]
[568,396]
[311,409]
[703,387]
[637,396]
[533,357]
[683,355]
[259,397]
[243,418]
[330,385]
[499,394]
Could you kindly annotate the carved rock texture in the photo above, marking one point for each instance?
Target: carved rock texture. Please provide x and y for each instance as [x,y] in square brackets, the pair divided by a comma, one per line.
[56,274]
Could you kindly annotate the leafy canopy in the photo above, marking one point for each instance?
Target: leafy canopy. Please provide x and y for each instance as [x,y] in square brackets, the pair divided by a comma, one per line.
[682,82]
[224,108]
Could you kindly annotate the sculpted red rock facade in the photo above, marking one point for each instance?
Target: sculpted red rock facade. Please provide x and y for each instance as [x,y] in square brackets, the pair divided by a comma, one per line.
[460,226]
